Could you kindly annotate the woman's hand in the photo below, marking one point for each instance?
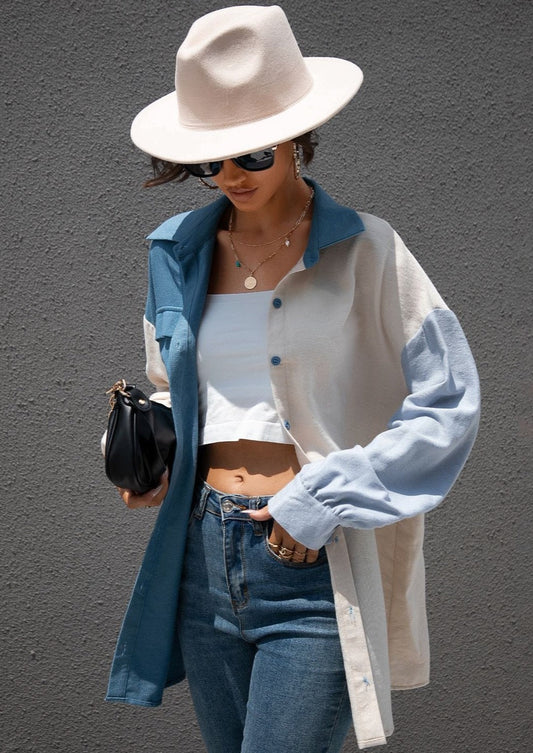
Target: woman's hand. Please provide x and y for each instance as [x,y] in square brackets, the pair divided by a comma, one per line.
[151,498]
[282,543]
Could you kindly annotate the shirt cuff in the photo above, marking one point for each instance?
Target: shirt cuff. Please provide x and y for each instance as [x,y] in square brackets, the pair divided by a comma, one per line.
[302,516]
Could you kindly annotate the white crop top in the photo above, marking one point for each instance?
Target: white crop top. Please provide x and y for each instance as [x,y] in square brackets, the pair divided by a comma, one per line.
[235,396]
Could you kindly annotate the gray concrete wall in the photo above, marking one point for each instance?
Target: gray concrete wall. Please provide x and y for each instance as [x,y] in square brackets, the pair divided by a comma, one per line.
[436,143]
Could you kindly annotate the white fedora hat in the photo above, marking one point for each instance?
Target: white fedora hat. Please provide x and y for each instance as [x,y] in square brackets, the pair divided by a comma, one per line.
[242,85]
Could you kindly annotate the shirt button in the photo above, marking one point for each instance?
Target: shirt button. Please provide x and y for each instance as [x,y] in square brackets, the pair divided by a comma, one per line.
[287,425]
[277,303]
[275,360]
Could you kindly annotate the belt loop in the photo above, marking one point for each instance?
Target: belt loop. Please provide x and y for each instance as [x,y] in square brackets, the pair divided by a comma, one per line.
[259,527]
[199,508]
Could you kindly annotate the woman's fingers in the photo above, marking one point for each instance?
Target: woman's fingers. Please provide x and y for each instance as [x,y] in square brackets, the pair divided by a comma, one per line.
[261,515]
[276,536]
[300,554]
[311,555]
[281,542]
[151,498]
[288,548]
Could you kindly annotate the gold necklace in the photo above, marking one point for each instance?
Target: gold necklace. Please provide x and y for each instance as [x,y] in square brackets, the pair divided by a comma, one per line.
[251,281]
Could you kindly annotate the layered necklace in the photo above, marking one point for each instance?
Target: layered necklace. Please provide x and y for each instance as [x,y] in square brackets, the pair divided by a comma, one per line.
[284,241]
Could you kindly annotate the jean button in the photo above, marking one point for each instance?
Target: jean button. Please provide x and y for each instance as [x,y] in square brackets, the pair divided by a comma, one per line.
[227,506]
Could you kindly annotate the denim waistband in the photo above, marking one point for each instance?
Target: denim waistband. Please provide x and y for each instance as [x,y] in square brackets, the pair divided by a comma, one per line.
[228,506]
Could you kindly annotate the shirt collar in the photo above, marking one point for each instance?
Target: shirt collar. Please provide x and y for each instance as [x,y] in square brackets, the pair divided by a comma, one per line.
[331,224]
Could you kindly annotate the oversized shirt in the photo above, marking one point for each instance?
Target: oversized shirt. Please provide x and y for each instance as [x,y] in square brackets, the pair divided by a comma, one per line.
[376,387]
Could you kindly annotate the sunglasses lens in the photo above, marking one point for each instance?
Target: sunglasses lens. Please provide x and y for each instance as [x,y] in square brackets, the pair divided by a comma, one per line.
[204,169]
[255,161]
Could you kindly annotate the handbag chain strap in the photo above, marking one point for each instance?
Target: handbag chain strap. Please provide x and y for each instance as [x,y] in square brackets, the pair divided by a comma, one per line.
[118,387]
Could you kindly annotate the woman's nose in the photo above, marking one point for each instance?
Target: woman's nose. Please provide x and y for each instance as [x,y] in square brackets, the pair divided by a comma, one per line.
[231,171]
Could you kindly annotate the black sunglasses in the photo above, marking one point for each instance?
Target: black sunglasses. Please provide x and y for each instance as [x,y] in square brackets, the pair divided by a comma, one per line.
[254,162]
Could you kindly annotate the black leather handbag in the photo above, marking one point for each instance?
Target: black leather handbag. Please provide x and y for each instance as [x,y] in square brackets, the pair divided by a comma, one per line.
[140,440]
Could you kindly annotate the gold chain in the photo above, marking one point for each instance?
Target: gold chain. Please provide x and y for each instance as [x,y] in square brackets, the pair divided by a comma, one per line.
[250,282]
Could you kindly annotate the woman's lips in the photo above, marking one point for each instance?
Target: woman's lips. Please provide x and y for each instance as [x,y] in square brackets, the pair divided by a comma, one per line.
[240,194]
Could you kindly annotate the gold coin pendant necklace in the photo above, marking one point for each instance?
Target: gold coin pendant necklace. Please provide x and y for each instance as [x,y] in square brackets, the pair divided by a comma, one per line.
[250,281]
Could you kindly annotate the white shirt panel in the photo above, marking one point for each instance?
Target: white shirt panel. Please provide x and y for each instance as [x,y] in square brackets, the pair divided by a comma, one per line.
[235,395]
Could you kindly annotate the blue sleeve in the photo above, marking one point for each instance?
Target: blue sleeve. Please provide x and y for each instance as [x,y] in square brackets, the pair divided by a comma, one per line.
[407,469]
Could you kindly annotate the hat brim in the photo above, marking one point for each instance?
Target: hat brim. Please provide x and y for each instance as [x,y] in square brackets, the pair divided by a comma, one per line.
[158,131]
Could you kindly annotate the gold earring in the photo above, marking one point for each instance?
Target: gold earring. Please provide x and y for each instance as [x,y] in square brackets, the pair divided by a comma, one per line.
[296,160]
[206,184]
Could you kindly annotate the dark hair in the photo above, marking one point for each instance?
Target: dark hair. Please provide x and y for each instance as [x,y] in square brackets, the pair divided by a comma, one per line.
[164,171]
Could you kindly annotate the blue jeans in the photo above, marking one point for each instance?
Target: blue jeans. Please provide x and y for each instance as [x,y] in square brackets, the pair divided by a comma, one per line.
[259,637]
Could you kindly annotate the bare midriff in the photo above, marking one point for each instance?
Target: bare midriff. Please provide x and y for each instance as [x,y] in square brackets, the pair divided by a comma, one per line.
[248,467]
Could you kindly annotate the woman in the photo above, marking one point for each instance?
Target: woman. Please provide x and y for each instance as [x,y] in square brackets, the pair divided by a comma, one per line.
[324,398]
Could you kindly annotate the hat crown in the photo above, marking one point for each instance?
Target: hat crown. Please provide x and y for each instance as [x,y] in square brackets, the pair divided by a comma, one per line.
[238,65]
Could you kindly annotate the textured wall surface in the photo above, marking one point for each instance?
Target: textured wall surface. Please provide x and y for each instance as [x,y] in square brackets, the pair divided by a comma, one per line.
[435,142]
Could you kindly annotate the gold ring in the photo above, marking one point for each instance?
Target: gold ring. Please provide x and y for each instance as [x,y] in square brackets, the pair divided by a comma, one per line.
[285,553]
